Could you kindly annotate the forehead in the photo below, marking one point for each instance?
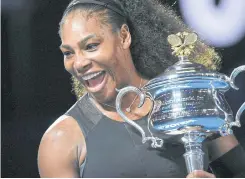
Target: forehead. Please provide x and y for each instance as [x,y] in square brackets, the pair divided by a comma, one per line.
[78,25]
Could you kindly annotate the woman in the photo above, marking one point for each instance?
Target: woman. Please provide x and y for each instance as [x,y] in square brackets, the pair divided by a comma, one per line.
[108,45]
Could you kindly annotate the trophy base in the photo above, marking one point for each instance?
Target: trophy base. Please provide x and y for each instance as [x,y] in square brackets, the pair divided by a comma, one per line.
[194,156]
[194,160]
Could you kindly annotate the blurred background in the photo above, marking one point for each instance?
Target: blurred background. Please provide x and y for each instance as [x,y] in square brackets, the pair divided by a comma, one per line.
[36,88]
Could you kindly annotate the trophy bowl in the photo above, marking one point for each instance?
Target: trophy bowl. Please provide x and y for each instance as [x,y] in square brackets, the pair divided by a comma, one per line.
[189,105]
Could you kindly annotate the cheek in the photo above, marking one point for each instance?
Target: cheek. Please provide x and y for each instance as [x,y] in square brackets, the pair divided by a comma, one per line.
[115,66]
[68,66]
[117,71]
[116,59]
[107,59]
[120,63]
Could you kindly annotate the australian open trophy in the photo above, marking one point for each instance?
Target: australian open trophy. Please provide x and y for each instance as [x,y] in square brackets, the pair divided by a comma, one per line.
[188,103]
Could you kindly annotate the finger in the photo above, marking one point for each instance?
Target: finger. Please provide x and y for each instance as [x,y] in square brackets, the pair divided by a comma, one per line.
[200,174]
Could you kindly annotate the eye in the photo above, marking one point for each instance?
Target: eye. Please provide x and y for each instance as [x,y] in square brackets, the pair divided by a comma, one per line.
[91,47]
[67,54]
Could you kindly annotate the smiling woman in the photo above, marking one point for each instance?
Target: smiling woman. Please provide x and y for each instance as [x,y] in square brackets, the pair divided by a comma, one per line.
[108,45]
[96,56]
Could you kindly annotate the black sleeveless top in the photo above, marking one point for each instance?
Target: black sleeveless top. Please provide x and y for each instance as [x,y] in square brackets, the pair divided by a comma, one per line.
[114,149]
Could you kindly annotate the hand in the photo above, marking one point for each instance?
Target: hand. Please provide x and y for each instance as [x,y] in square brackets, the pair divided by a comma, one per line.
[200,174]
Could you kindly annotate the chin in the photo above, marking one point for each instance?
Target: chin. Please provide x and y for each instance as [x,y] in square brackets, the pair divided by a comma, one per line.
[106,97]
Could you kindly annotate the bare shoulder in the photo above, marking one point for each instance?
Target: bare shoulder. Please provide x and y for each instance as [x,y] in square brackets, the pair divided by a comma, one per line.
[62,149]
[64,129]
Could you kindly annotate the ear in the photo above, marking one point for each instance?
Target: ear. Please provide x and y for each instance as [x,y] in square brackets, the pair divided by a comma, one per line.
[125,36]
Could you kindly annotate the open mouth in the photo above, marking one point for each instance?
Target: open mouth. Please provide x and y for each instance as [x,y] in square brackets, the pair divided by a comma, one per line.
[94,79]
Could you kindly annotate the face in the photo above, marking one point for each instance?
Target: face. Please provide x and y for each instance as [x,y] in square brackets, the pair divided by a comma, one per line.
[99,58]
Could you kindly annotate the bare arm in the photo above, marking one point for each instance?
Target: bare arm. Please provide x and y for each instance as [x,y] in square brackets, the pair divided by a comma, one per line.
[217,148]
[58,154]
[222,145]
[228,157]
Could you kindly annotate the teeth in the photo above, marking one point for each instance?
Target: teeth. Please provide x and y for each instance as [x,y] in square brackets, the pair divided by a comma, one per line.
[90,76]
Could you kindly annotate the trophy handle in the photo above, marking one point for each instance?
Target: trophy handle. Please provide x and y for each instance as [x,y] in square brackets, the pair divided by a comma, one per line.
[238,115]
[156,142]
[234,74]
[226,128]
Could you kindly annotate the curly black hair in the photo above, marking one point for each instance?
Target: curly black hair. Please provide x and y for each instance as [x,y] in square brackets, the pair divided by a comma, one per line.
[150,22]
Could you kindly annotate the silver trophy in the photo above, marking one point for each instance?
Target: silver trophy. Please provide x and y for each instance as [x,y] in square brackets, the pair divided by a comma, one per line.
[188,103]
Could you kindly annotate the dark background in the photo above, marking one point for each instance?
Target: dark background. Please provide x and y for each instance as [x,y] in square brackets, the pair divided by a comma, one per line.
[36,88]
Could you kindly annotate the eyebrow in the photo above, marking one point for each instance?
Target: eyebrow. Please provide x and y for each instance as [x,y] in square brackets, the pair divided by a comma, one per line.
[81,43]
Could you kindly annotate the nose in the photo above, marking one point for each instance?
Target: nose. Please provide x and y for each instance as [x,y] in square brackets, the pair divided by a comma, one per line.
[81,64]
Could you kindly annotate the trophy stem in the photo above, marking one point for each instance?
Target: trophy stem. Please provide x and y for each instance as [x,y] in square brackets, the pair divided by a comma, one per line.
[194,156]
[183,58]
